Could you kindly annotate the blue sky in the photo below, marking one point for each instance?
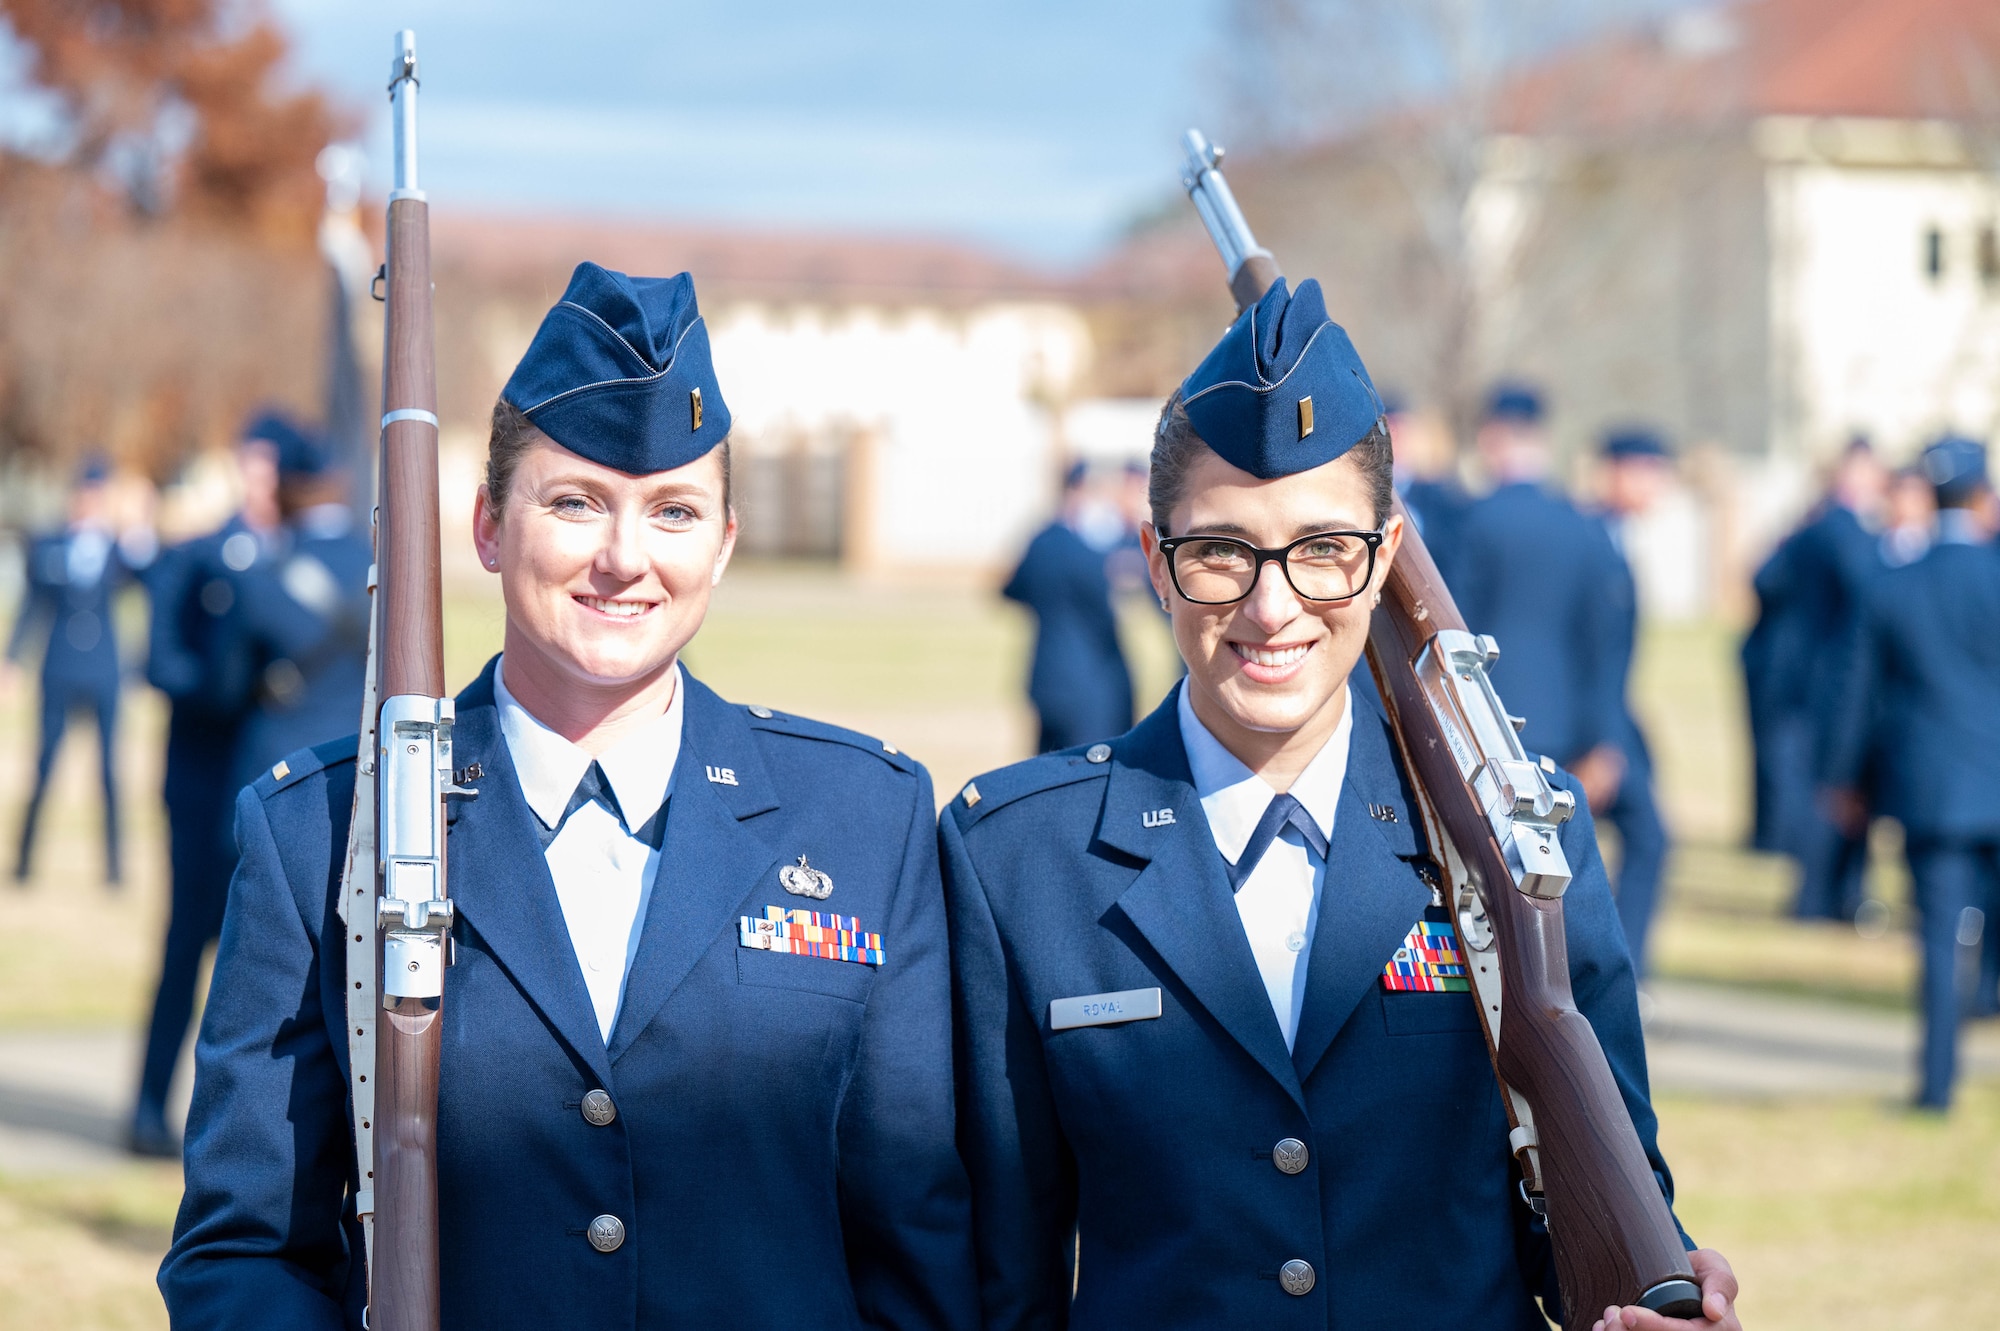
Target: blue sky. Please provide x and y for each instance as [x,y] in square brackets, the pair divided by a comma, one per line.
[1036,127]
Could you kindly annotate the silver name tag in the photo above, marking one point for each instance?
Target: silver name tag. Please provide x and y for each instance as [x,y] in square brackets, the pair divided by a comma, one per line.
[1104,1009]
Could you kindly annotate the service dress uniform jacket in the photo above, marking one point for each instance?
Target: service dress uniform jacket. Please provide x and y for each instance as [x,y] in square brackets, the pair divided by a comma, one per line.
[1530,571]
[1079,682]
[1923,699]
[780,1152]
[301,623]
[1834,564]
[1190,1158]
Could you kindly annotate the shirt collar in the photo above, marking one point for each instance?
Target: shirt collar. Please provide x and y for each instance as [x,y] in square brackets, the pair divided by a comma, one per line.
[1956,526]
[1234,797]
[639,767]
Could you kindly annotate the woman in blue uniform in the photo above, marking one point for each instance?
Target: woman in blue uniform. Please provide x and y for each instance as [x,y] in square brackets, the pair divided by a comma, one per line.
[1195,1090]
[654,1111]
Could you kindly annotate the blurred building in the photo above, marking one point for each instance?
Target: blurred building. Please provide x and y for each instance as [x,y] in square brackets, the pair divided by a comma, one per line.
[897,403]
[1762,225]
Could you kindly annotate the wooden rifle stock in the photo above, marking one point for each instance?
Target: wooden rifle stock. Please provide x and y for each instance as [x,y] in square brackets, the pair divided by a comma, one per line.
[1614,1239]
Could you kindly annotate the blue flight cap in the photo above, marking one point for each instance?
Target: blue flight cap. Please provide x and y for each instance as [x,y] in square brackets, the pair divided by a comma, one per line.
[1514,402]
[1074,475]
[1634,441]
[95,469]
[1284,390]
[619,372]
[1956,466]
[299,452]
[1394,403]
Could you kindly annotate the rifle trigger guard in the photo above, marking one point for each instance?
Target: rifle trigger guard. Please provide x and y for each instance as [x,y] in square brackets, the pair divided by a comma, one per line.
[1534,1201]
[378,283]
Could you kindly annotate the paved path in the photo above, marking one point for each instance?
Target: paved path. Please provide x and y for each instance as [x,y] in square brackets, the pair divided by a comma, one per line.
[64,1094]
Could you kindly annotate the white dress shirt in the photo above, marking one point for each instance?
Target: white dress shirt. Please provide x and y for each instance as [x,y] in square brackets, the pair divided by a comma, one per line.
[1279,903]
[603,874]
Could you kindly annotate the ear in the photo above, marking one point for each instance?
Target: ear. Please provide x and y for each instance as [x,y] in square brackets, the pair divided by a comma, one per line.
[1392,541]
[1156,563]
[728,548]
[486,530]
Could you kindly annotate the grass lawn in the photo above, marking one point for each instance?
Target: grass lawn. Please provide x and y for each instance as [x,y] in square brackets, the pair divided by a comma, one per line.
[1842,1212]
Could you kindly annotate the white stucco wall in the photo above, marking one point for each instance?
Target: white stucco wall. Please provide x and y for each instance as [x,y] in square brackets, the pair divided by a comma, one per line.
[957,404]
[1863,337]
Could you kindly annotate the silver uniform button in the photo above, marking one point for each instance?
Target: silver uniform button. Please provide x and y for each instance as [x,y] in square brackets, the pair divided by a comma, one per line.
[607,1234]
[761,713]
[1296,1276]
[598,1109]
[1098,753]
[1289,1155]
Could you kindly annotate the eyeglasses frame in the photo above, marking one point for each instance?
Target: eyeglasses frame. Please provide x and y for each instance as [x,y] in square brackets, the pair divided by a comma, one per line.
[1279,555]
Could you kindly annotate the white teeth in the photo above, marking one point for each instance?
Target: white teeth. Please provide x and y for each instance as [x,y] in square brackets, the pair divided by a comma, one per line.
[1264,657]
[623,609]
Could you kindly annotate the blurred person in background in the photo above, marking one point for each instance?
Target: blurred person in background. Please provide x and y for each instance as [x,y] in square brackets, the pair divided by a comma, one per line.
[1427,478]
[1923,686]
[1635,474]
[299,619]
[72,577]
[1543,598]
[1811,592]
[202,671]
[1079,682]
[1909,517]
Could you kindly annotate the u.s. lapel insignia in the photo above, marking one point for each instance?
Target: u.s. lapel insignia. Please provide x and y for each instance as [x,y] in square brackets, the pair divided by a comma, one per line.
[1382,813]
[1157,818]
[802,880]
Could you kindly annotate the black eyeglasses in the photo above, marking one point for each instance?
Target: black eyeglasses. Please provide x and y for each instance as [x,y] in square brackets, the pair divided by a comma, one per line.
[1219,570]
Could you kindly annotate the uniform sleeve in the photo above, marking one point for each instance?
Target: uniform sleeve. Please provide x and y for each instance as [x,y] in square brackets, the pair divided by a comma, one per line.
[1602,982]
[1023,1177]
[1857,663]
[36,606]
[905,1208]
[1607,638]
[258,1242]
[172,665]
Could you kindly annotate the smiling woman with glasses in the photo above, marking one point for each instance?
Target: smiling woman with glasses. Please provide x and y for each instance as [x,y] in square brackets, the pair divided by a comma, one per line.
[1219,1064]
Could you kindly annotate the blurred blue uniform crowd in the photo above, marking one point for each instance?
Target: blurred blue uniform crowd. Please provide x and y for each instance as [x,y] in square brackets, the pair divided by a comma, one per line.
[258,638]
[1873,677]
[1872,671]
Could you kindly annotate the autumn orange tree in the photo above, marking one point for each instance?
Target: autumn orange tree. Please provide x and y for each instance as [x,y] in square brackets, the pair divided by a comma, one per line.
[157,270]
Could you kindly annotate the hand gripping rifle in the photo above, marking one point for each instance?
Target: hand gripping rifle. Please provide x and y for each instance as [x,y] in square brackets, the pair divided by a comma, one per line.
[393,891]
[1490,817]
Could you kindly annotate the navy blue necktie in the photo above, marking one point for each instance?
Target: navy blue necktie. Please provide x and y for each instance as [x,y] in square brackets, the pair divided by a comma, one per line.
[1281,812]
[594,788]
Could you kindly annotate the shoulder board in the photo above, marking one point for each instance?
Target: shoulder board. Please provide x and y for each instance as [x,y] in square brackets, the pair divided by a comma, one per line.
[296,766]
[799,727]
[1005,785]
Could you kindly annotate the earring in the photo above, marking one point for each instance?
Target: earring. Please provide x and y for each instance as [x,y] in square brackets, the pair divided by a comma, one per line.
[1163,603]
[1377,601]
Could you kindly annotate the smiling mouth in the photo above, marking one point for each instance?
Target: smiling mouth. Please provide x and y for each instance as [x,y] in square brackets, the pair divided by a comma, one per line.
[615,609]
[1276,657]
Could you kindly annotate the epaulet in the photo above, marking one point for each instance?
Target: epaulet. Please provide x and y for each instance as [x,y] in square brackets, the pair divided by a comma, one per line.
[800,727]
[296,766]
[1004,785]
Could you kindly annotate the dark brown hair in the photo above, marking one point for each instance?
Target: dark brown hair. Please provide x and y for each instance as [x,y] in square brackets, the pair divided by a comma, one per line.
[1176,448]
[513,432]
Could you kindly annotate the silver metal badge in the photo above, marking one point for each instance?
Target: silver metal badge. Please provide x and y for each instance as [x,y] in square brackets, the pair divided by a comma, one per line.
[802,880]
